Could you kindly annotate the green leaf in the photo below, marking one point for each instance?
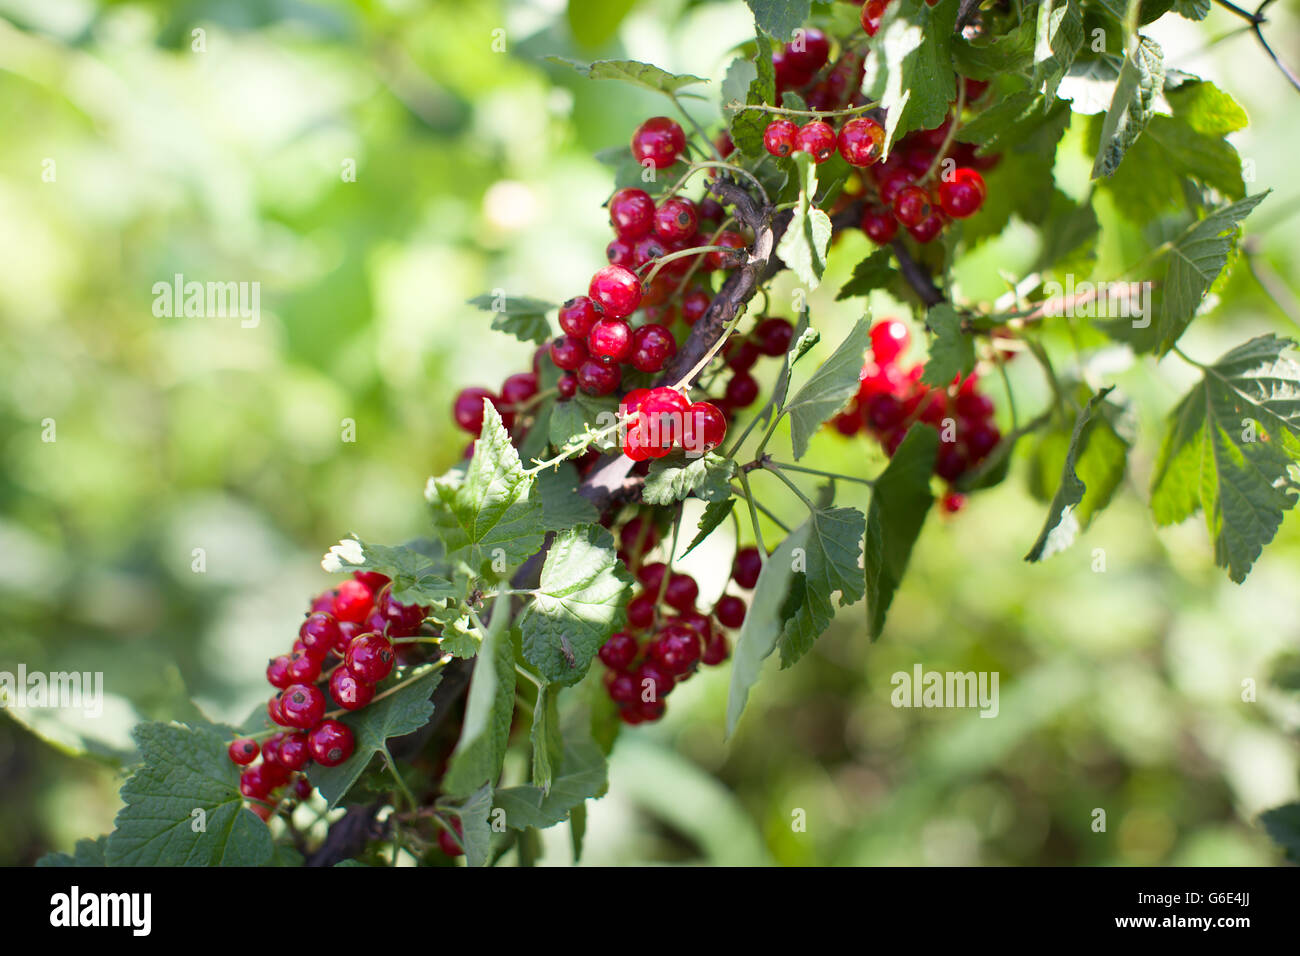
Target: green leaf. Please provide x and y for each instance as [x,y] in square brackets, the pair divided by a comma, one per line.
[547,742]
[1058,36]
[763,622]
[417,577]
[1141,81]
[829,389]
[85,853]
[1230,445]
[594,23]
[582,776]
[1069,235]
[952,352]
[556,490]
[1282,824]
[707,477]
[900,500]
[582,413]
[1192,9]
[1023,109]
[1101,457]
[1194,262]
[715,512]
[803,244]
[476,836]
[873,272]
[1061,526]
[580,601]
[913,66]
[488,515]
[522,317]
[830,565]
[780,18]
[183,806]
[1007,53]
[485,731]
[401,712]
[640,74]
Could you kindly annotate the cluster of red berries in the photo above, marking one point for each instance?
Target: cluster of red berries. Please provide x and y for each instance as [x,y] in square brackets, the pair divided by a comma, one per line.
[516,392]
[801,66]
[860,140]
[658,651]
[891,398]
[664,418]
[345,644]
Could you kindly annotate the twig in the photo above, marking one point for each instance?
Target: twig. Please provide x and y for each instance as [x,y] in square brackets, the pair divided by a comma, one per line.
[916,275]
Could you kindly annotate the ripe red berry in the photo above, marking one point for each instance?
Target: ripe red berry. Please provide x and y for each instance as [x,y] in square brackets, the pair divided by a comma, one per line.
[730,611]
[641,611]
[448,843]
[950,462]
[741,391]
[302,788]
[568,352]
[927,229]
[347,631]
[371,579]
[330,743]
[619,651]
[817,139]
[275,710]
[889,339]
[981,439]
[893,181]
[773,336]
[953,502]
[622,688]
[676,649]
[402,620]
[253,785]
[879,224]
[808,52]
[649,711]
[716,649]
[651,576]
[681,592]
[277,671]
[724,260]
[303,668]
[567,386]
[353,601]
[621,252]
[518,389]
[598,378]
[912,205]
[658,142]
[631,213]
[370,658]
[962,195]
[577,316]
[704,427]
[873,11]
[348,691]
[973,405]
[292,753]
[243,751]
[746,567]
[861,141]
[616,290]
[781,137]
[676,219]
[741,355]
[302,705]
[468,408]
[652,346]
[610,339]
[694,304]
[653,681]
[318,634]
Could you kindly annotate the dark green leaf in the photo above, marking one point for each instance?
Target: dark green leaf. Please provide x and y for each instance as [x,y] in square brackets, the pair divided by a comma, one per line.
[715,512]
[707,477]
[952,352]
[829,564]
[900,500]
[780,18]
[873,272]
[485,731]
[829,389]
[582,776]
[913,57]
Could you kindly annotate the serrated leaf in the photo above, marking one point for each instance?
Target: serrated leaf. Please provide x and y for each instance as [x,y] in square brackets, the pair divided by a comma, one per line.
[476,835]
[418,578]
[803,244]
[1058,36]
[580,600]
[900,500]
[831,562]
[829,389]
[1061,526]
[1069,236]
[672,479]
[1004,54]
[1022,108]
[952,352]
[1141,81]
[715,512]
[582,776]
[520,316]
[186,769]
[485,730]
[873,272]
[403,711]
[85,853]
[780,18]
[1212,459]
[574,416]
[1192,9]
[913,66]
[488,514]
[763,622]
[556,489]
[645,75]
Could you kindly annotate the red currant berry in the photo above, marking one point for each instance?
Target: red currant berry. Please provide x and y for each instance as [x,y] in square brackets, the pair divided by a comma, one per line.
[953,502]
[371,579]
[681,592]
[598,378]
[716,649]
[652,346]
[518,389]
[651,576]
[568,352]
[742,355]
[676,219]
[912,205]
[302,788]
[891,183]
[403,620]
[631,213]
[694,304]
[622,252]
[277,671]
[780,137]
[879,224]
[370,658]
[809,51]
[817,139]
[303,669]
[318,634]
[963,195]
[676,649]
[349,692]
[704,428]
[468,408]
[873,11]
[243,751]
[302,705]
[253,785]
[973,406]
[981,439]
[330,743]
[889,339]
[275,710]
[292,753]
[610,339]
[577,316]
[741,391]
[353,601]
[950,462]
[641,611]
[616,290]
[567,386]
[622,688]
[347,631]
[658,142]
[928,229]
[649,711]
[861,141]
[448,843]
[746,567]
[653,681]
[773,336]
[730,611]
[725,260]
[619,651]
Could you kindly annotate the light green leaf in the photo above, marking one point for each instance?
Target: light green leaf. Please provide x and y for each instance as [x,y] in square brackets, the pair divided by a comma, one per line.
[186,769]
[485,731]
[1007,53]
[831,564]
[556,489]
[900,500]
[473,814]
[1231,443]
[873,272]
[522,317]
[780,18]
[640,74]
[803,244]
[952,352]
[582,776]
[418,578]
[708,477]
[913,63]
[547,742]
[1058,36]
[1141,81]
[580,600]
[829,389]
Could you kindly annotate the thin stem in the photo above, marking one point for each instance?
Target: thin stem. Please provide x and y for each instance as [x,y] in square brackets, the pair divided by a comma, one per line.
[769,466]
[1188,359]
[753,517]
[786,466]
[663,260]
[948,138]
[713,350]
[736,105]
[698,128]
[422,672]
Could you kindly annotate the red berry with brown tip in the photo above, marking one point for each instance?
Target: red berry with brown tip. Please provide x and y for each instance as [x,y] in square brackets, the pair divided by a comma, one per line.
[676,219]
[568,352]
[631,213]
[652,346]
[243,751]
[370,658]
[577,316]
[704,428]
[658,142]
[610,339]
[596,377]
[861,141]
[330,743]
[817,139]
[302,705]
[781,137]
[292,752]
[277,671]
[616,290]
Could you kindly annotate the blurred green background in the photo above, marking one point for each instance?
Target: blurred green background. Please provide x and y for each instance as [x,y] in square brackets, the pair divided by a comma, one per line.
[135,148]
